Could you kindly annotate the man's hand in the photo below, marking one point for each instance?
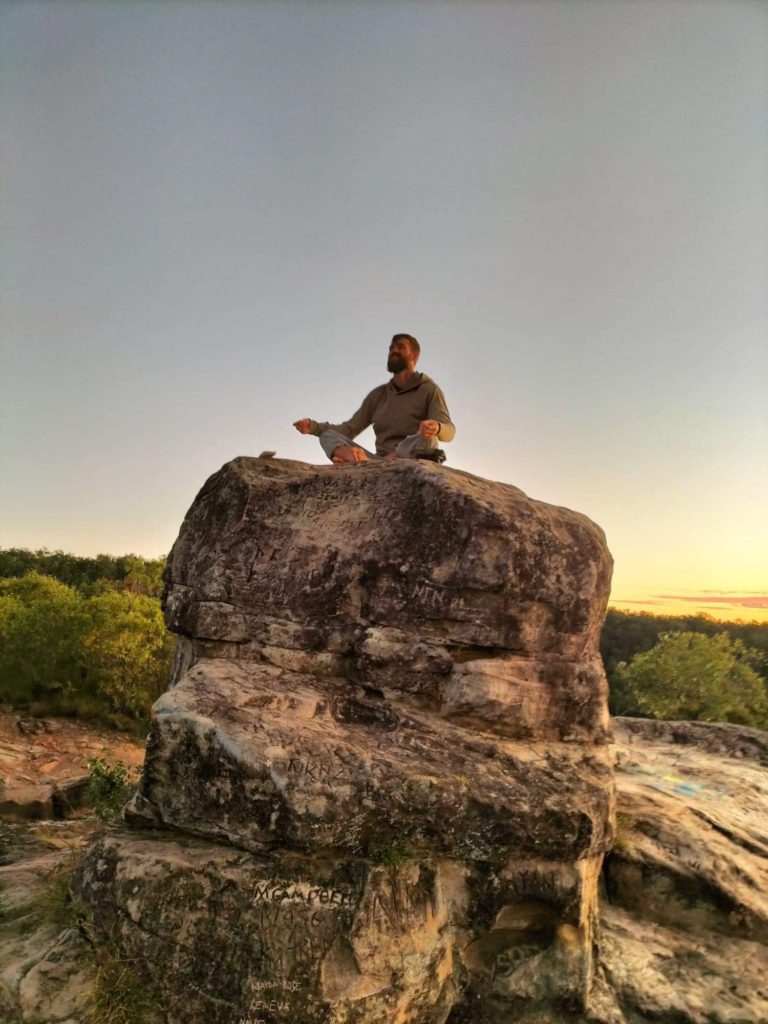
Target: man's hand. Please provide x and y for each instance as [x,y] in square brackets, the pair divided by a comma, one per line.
[303,426]
[429,428]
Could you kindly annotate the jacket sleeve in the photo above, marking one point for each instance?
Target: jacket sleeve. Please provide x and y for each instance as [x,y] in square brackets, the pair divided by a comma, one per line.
[355,425]
[438,410]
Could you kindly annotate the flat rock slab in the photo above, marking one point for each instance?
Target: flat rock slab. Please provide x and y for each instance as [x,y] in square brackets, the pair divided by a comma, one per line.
[44,764]
[692,837]
[26,802]
[651,972]
[684,923]
[263,757]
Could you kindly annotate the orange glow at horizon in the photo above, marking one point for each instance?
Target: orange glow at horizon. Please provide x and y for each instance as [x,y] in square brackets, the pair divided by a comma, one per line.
[723,606]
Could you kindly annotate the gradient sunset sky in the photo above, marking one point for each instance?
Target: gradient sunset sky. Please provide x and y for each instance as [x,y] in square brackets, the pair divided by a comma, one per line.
[217,214]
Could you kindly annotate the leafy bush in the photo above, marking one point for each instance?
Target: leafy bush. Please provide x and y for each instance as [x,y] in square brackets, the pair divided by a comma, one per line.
[104,657]
[127,650]
[695,677]
[110,786]
[42,627]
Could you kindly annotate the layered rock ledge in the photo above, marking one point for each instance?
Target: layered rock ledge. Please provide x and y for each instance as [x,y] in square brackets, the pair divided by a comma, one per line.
[382,772]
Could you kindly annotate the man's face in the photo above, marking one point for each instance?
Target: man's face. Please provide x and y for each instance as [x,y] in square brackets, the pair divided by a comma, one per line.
[400,356]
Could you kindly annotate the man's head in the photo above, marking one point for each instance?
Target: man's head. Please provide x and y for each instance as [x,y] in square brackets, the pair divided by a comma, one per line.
[404,352]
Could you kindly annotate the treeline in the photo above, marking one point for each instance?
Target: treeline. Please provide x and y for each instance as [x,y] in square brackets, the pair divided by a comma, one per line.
[626,634]
[86,637]
[82,636]
[88,575]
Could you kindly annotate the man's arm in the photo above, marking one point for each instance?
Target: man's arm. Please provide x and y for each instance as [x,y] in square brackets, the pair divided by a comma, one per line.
[438,410]
[355,425]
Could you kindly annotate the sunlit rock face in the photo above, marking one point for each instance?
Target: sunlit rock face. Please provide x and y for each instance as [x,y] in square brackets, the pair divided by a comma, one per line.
[684,918]
[382,768]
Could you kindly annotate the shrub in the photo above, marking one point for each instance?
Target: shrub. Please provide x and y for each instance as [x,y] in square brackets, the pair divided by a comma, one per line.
[110,786]
[42,626]
[101,657]
[695,677]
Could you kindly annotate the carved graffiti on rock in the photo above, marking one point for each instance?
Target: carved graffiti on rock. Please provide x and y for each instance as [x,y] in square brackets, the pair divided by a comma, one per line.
[350,711]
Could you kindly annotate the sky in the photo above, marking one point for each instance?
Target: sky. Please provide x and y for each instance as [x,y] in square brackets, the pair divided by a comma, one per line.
[216,215]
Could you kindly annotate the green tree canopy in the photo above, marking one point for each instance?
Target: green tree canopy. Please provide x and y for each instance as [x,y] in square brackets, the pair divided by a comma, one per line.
[103,654]
[88,575]
[42,626]
[692,676]
[127,650]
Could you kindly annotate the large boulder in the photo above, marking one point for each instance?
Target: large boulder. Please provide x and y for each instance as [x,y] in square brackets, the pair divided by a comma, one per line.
[382,771]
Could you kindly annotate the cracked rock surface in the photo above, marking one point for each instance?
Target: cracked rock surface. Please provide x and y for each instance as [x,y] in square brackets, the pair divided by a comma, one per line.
[680,931]
[684,918]
[380,786]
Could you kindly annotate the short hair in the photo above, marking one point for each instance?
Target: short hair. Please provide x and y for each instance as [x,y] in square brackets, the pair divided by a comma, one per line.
[415,346]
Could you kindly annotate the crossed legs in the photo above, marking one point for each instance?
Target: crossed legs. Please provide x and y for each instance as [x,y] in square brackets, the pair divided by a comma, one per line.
[342,450]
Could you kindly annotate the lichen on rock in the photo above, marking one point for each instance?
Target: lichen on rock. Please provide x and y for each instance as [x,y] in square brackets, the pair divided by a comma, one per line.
[380,786]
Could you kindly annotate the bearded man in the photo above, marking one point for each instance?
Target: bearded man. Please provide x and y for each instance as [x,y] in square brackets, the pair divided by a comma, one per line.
[408,414]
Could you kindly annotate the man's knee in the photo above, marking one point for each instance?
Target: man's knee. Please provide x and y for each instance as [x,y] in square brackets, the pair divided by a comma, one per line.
[330,440]
[410,446]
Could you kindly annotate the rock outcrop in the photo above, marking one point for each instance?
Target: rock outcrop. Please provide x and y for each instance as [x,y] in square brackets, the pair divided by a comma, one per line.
[684,913]
[380,787]
[682,906]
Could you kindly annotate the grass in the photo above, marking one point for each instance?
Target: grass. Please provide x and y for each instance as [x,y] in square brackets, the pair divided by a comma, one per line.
[624,832]
[122,994]
[51,904]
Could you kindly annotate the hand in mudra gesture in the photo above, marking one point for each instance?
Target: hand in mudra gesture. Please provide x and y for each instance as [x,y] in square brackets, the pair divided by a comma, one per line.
[429,428]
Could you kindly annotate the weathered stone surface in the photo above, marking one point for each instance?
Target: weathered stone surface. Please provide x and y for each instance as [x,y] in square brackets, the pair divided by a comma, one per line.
[388,732]
[283,940]
[263,757]
[229,936]
[58,986]
[26,803]
[684,923]
[468,596]
[511,934]
[45,974]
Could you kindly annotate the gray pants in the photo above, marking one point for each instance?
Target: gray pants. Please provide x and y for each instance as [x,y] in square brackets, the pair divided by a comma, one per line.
[407,449]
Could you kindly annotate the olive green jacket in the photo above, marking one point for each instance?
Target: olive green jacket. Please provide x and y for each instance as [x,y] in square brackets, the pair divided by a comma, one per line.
[396,414]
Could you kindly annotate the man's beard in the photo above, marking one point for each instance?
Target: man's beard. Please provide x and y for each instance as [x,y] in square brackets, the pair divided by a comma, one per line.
[396,364]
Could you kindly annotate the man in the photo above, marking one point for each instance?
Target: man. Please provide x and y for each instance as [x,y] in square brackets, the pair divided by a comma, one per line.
[409,414]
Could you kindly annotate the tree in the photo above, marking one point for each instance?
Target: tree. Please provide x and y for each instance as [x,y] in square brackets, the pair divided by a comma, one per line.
[127,650]
[143,576]
[690,675]
[42,624]
[88,575]
[103,657]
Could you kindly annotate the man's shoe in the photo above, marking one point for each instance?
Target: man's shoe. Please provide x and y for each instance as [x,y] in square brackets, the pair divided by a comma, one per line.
[432,455]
